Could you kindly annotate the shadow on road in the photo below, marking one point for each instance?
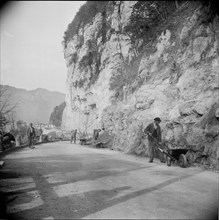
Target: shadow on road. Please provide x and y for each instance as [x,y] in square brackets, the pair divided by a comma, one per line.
[76,205]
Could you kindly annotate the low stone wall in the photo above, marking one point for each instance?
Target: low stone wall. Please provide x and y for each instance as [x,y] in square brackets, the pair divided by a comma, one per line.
[17,146]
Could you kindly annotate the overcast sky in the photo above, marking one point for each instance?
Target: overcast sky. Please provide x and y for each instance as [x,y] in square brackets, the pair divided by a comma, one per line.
[31,49]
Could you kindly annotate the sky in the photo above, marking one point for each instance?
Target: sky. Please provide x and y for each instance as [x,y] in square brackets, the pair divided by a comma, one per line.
[31,43]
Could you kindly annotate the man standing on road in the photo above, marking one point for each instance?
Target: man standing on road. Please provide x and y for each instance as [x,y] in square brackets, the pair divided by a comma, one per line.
[31,135]
[154,131]
[73,135]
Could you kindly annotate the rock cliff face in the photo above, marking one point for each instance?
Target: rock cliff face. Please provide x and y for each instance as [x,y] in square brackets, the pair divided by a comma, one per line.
[121,86]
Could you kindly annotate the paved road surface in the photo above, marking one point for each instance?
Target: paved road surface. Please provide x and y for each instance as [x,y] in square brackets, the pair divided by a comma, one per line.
[62,180]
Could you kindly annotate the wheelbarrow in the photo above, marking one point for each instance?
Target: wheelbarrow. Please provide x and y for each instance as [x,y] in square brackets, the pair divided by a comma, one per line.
[180,156]
[172,155]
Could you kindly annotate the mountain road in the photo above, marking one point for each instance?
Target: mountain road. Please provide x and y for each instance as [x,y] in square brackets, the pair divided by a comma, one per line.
[70,181]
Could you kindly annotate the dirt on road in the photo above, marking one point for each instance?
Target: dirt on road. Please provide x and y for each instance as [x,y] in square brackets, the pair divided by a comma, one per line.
[69,181]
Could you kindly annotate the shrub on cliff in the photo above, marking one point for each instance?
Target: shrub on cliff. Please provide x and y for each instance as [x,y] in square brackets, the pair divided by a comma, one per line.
[84,16]
[146,19]
[126,74]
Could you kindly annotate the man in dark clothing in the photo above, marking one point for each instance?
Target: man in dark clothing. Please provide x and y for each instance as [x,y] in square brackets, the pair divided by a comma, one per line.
[154,130]
[96,134]
[31,135]
[73,135]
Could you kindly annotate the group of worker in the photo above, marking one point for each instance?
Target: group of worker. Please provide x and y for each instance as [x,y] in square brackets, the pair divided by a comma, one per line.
[153,131]
[97,132]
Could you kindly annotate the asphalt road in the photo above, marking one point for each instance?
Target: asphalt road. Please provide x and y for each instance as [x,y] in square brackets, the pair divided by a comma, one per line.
[67,181]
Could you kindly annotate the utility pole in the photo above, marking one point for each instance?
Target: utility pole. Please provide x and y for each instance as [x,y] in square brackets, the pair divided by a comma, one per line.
[87,113]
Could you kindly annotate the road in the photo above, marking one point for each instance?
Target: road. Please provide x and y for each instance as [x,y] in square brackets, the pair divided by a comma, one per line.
[66,181]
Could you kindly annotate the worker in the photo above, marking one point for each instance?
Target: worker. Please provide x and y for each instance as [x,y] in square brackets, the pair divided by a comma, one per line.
[73,136]
[154,131]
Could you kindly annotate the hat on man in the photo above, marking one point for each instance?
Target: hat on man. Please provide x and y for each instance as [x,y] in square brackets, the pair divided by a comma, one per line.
[157,119]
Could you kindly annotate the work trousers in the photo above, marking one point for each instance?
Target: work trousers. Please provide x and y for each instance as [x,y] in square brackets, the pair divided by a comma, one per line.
[31,142]
[153,151]
[73,139]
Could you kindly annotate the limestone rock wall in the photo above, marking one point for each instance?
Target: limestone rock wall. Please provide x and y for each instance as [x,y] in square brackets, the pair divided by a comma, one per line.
[179,82]
[104,58]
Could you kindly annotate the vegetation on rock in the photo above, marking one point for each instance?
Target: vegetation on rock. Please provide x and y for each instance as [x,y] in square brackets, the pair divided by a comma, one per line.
[126,74]
[146,20]
[84,16]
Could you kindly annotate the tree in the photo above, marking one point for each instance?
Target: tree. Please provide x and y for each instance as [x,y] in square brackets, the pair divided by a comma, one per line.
[56,115]
[84,16]
[146,19]
[7,108]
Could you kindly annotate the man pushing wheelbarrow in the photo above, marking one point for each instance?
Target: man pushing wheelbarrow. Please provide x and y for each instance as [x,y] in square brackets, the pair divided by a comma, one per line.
[153,131]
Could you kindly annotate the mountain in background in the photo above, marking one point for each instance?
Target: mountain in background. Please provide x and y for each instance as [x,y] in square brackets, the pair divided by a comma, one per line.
[34,105]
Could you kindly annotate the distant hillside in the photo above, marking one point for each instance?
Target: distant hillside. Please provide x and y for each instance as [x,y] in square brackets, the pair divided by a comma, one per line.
[34,105]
